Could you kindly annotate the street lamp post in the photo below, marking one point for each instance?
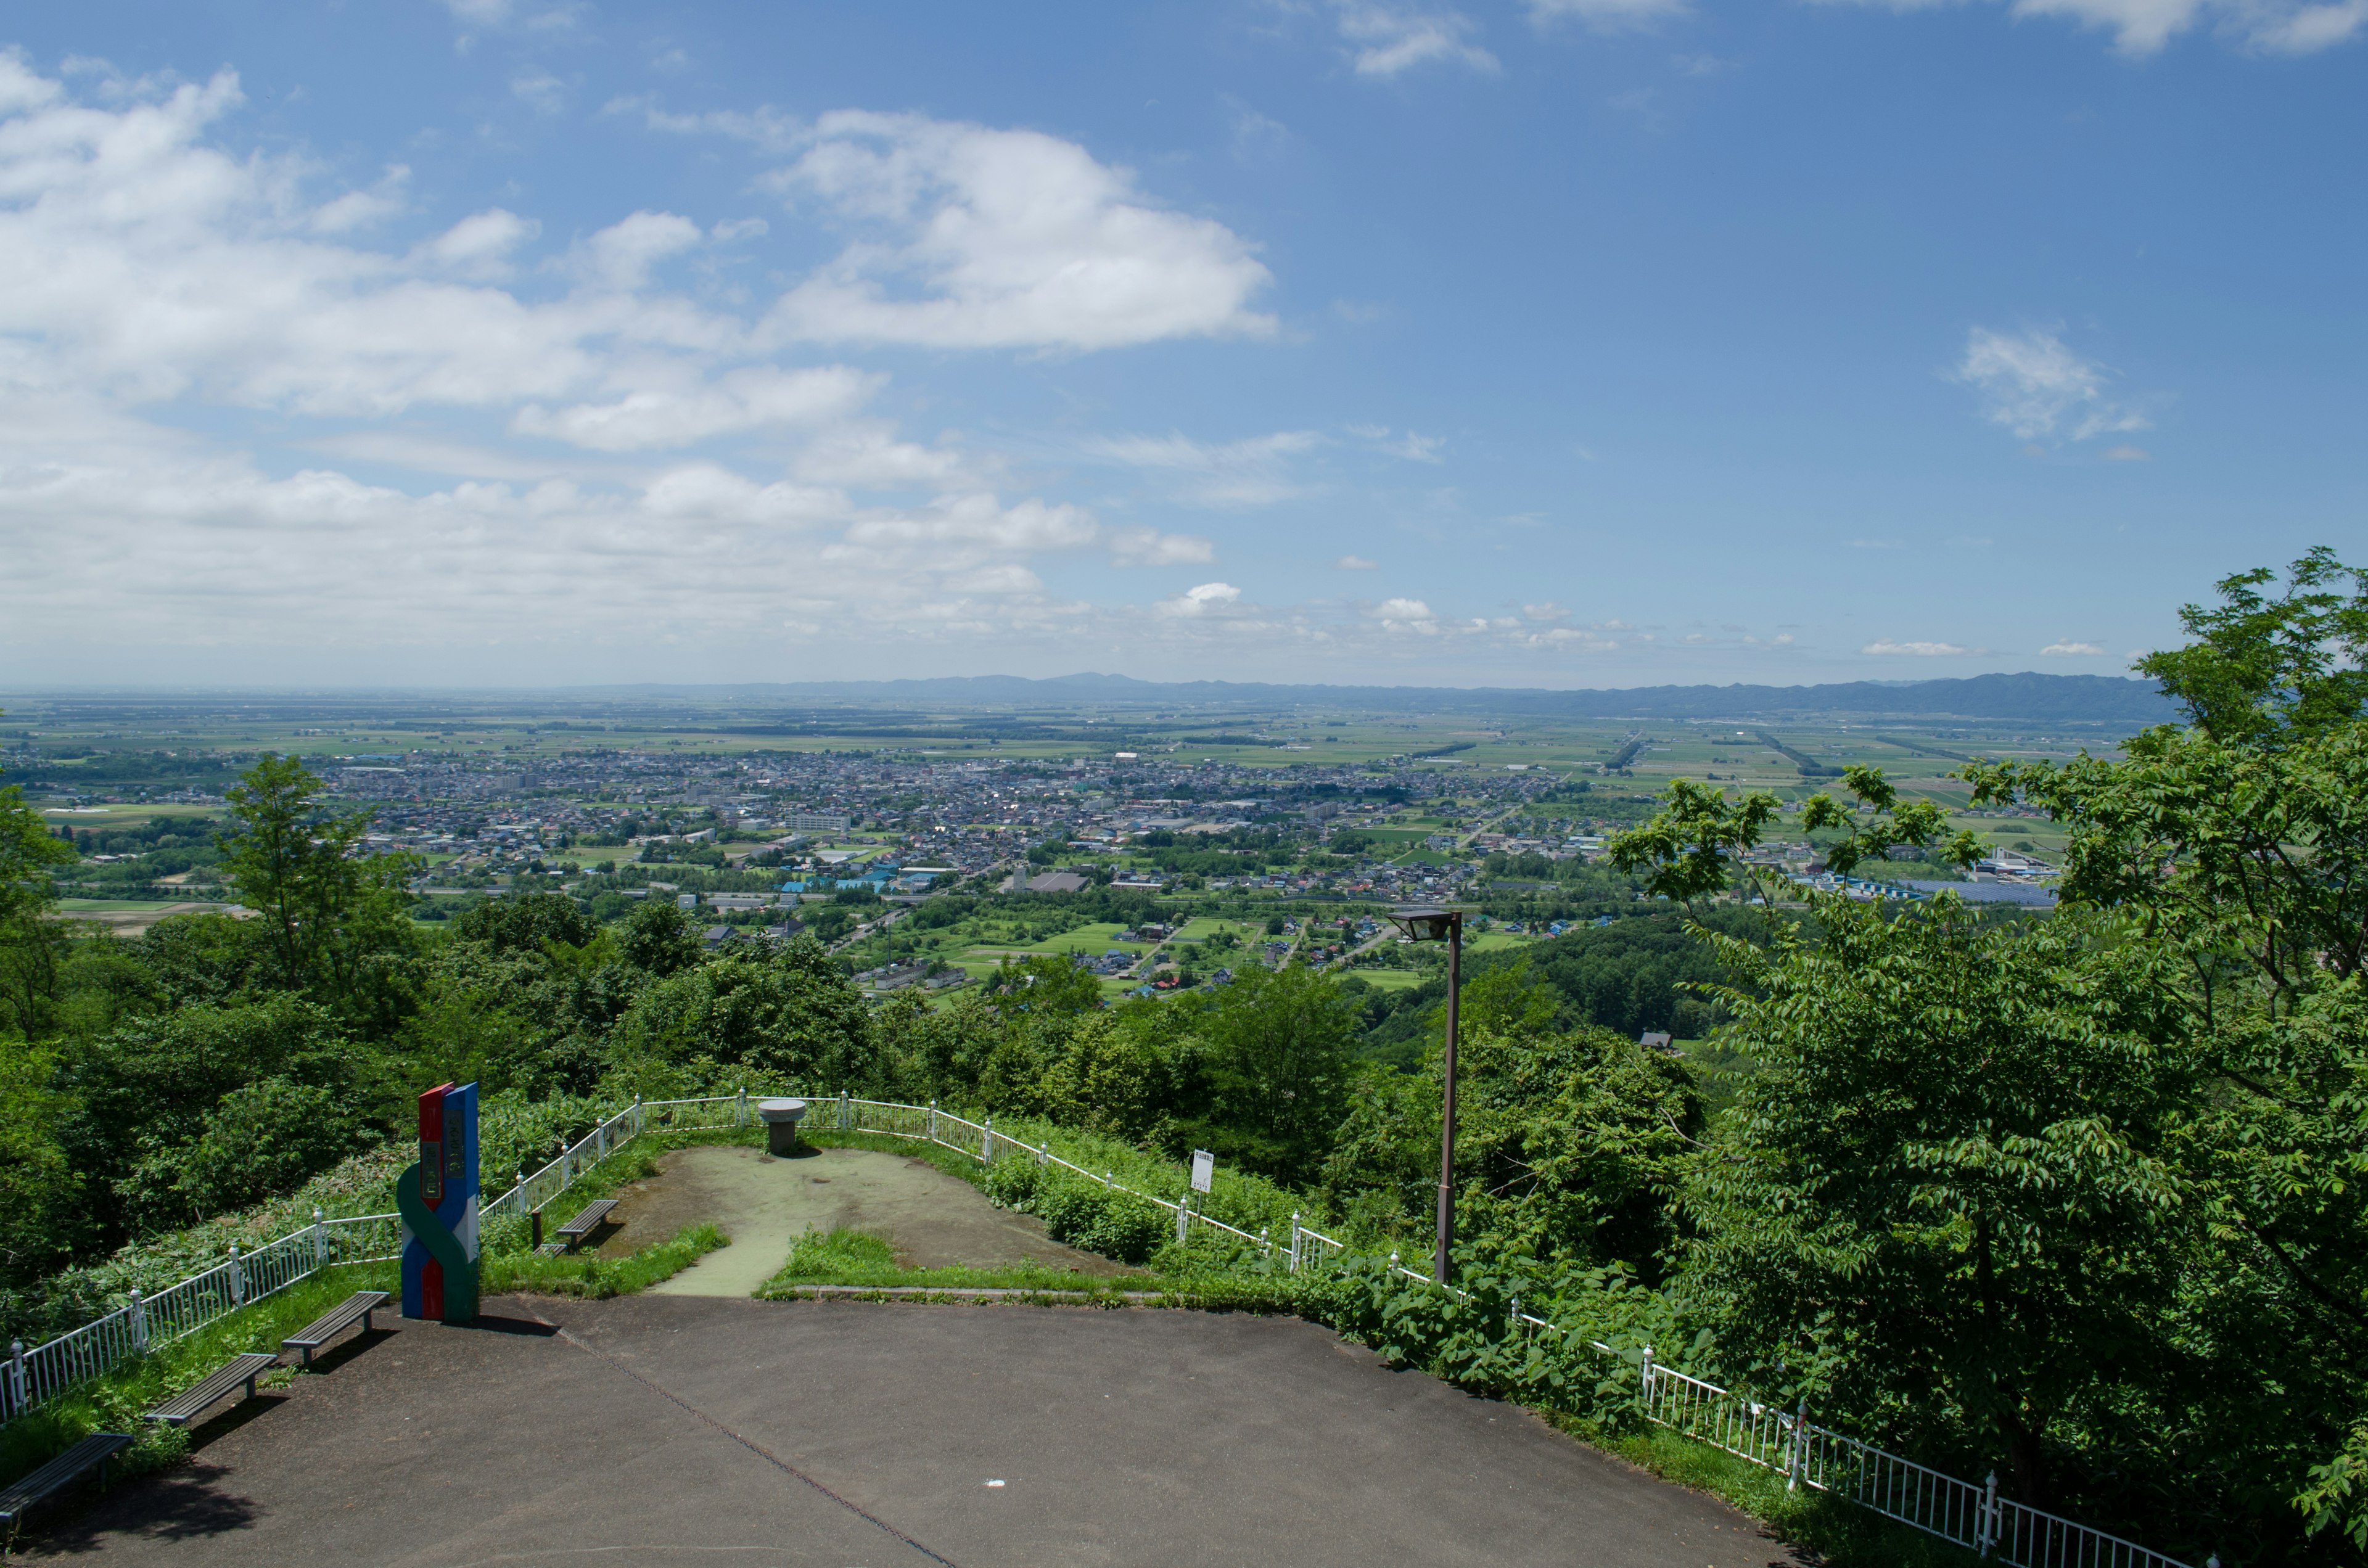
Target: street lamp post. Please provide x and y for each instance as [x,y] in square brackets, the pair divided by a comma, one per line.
[1432,925]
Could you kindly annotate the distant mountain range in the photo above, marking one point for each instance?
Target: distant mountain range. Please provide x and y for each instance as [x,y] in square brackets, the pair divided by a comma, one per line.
[2028,696]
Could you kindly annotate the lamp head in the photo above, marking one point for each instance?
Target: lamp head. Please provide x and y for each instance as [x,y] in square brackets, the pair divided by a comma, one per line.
[1426,925]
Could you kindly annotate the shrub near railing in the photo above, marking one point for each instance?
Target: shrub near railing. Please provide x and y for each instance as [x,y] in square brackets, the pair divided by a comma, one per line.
[1241,1200]
[1482,1337]
[1079,1211]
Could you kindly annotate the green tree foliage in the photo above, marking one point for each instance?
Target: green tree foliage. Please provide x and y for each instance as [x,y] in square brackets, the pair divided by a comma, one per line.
[332,915]
[32,944]
[1570,1143]
[143,1095]
[1271,1063]
[1951,1190]
[2238,846]
[38,1186]
[265,1137]
[785,1016]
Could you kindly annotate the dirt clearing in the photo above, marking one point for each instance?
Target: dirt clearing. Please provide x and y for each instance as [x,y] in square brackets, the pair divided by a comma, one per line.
[764,1204]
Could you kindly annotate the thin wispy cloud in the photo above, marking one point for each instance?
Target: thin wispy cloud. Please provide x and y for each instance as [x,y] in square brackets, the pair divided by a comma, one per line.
[1229,475]
[1149,547]
[1404,444]
[1885,647]
[2142,28]
[1386,40]
[2037,388]
[1606,16]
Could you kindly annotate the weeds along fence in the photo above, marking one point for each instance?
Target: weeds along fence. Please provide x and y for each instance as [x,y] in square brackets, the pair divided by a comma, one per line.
[1787,1442]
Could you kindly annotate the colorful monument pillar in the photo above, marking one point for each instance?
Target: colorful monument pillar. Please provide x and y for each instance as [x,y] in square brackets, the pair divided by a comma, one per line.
[437,1200]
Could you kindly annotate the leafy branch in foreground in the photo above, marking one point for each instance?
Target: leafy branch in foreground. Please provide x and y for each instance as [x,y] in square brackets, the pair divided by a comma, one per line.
[1699,844]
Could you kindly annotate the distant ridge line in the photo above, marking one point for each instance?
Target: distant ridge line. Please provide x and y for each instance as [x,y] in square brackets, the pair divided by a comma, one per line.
[2027,696]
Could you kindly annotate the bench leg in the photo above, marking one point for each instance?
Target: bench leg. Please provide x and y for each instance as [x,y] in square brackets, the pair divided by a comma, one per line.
[366,1321]
[250,1386]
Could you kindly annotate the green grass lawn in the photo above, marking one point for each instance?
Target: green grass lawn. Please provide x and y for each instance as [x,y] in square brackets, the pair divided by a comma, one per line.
[1389,979]
[855,1257]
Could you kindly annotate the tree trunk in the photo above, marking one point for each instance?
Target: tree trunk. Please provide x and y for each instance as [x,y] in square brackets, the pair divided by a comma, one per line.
[2022,1455]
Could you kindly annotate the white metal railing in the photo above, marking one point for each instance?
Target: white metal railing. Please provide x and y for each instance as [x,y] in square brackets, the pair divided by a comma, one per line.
[1807,1455]
[1937,1504]
[33,1377]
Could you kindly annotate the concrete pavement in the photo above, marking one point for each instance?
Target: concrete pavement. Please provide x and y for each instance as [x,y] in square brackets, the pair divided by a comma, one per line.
[673,1430]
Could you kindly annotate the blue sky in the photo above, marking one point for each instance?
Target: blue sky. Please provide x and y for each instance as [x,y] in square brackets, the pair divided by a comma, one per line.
[1565,343]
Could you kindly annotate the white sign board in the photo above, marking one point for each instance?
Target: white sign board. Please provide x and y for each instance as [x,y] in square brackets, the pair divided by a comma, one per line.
[1205,1165]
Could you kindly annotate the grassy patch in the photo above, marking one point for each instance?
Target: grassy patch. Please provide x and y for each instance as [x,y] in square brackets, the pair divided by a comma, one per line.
[117,1401]
[590,1275]
[856,1258]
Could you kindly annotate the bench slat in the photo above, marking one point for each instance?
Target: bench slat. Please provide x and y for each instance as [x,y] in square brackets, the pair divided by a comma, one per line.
[27,1490]
[335,1320]
[241,1369]
[589,1220]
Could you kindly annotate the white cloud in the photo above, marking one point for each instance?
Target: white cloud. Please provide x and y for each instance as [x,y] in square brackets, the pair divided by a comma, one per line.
[2127,455]
[178,315]
[969,237]
[361,208]
[2035,386]
[1404,609]
[540,91]
[2071,650]
[621,255]
[1605,16]
[1356,563]
[1389,39]
[867,454]
[480,244]
[1228,474]
[508,15]
[1206,599]
[1409,445]
[2143,26]
[1886,647]
[742,400]
[1149,547]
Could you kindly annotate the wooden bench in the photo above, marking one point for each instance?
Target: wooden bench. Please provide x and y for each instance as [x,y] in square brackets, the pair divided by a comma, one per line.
[595,1214]
[238,1369]
[21,1496]
[335,1320]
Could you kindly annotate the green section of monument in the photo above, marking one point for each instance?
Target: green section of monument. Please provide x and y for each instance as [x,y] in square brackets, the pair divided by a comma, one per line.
[460,1270]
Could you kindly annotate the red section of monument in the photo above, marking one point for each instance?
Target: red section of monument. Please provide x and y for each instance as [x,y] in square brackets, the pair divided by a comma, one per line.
[431,1290]
[431,1145]
[431,1114]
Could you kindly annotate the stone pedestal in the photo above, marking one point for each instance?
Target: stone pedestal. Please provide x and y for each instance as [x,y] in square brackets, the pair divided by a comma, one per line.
[781,1119]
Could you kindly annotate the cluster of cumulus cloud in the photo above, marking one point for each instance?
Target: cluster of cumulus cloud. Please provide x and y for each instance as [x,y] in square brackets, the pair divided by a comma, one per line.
[168,305]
